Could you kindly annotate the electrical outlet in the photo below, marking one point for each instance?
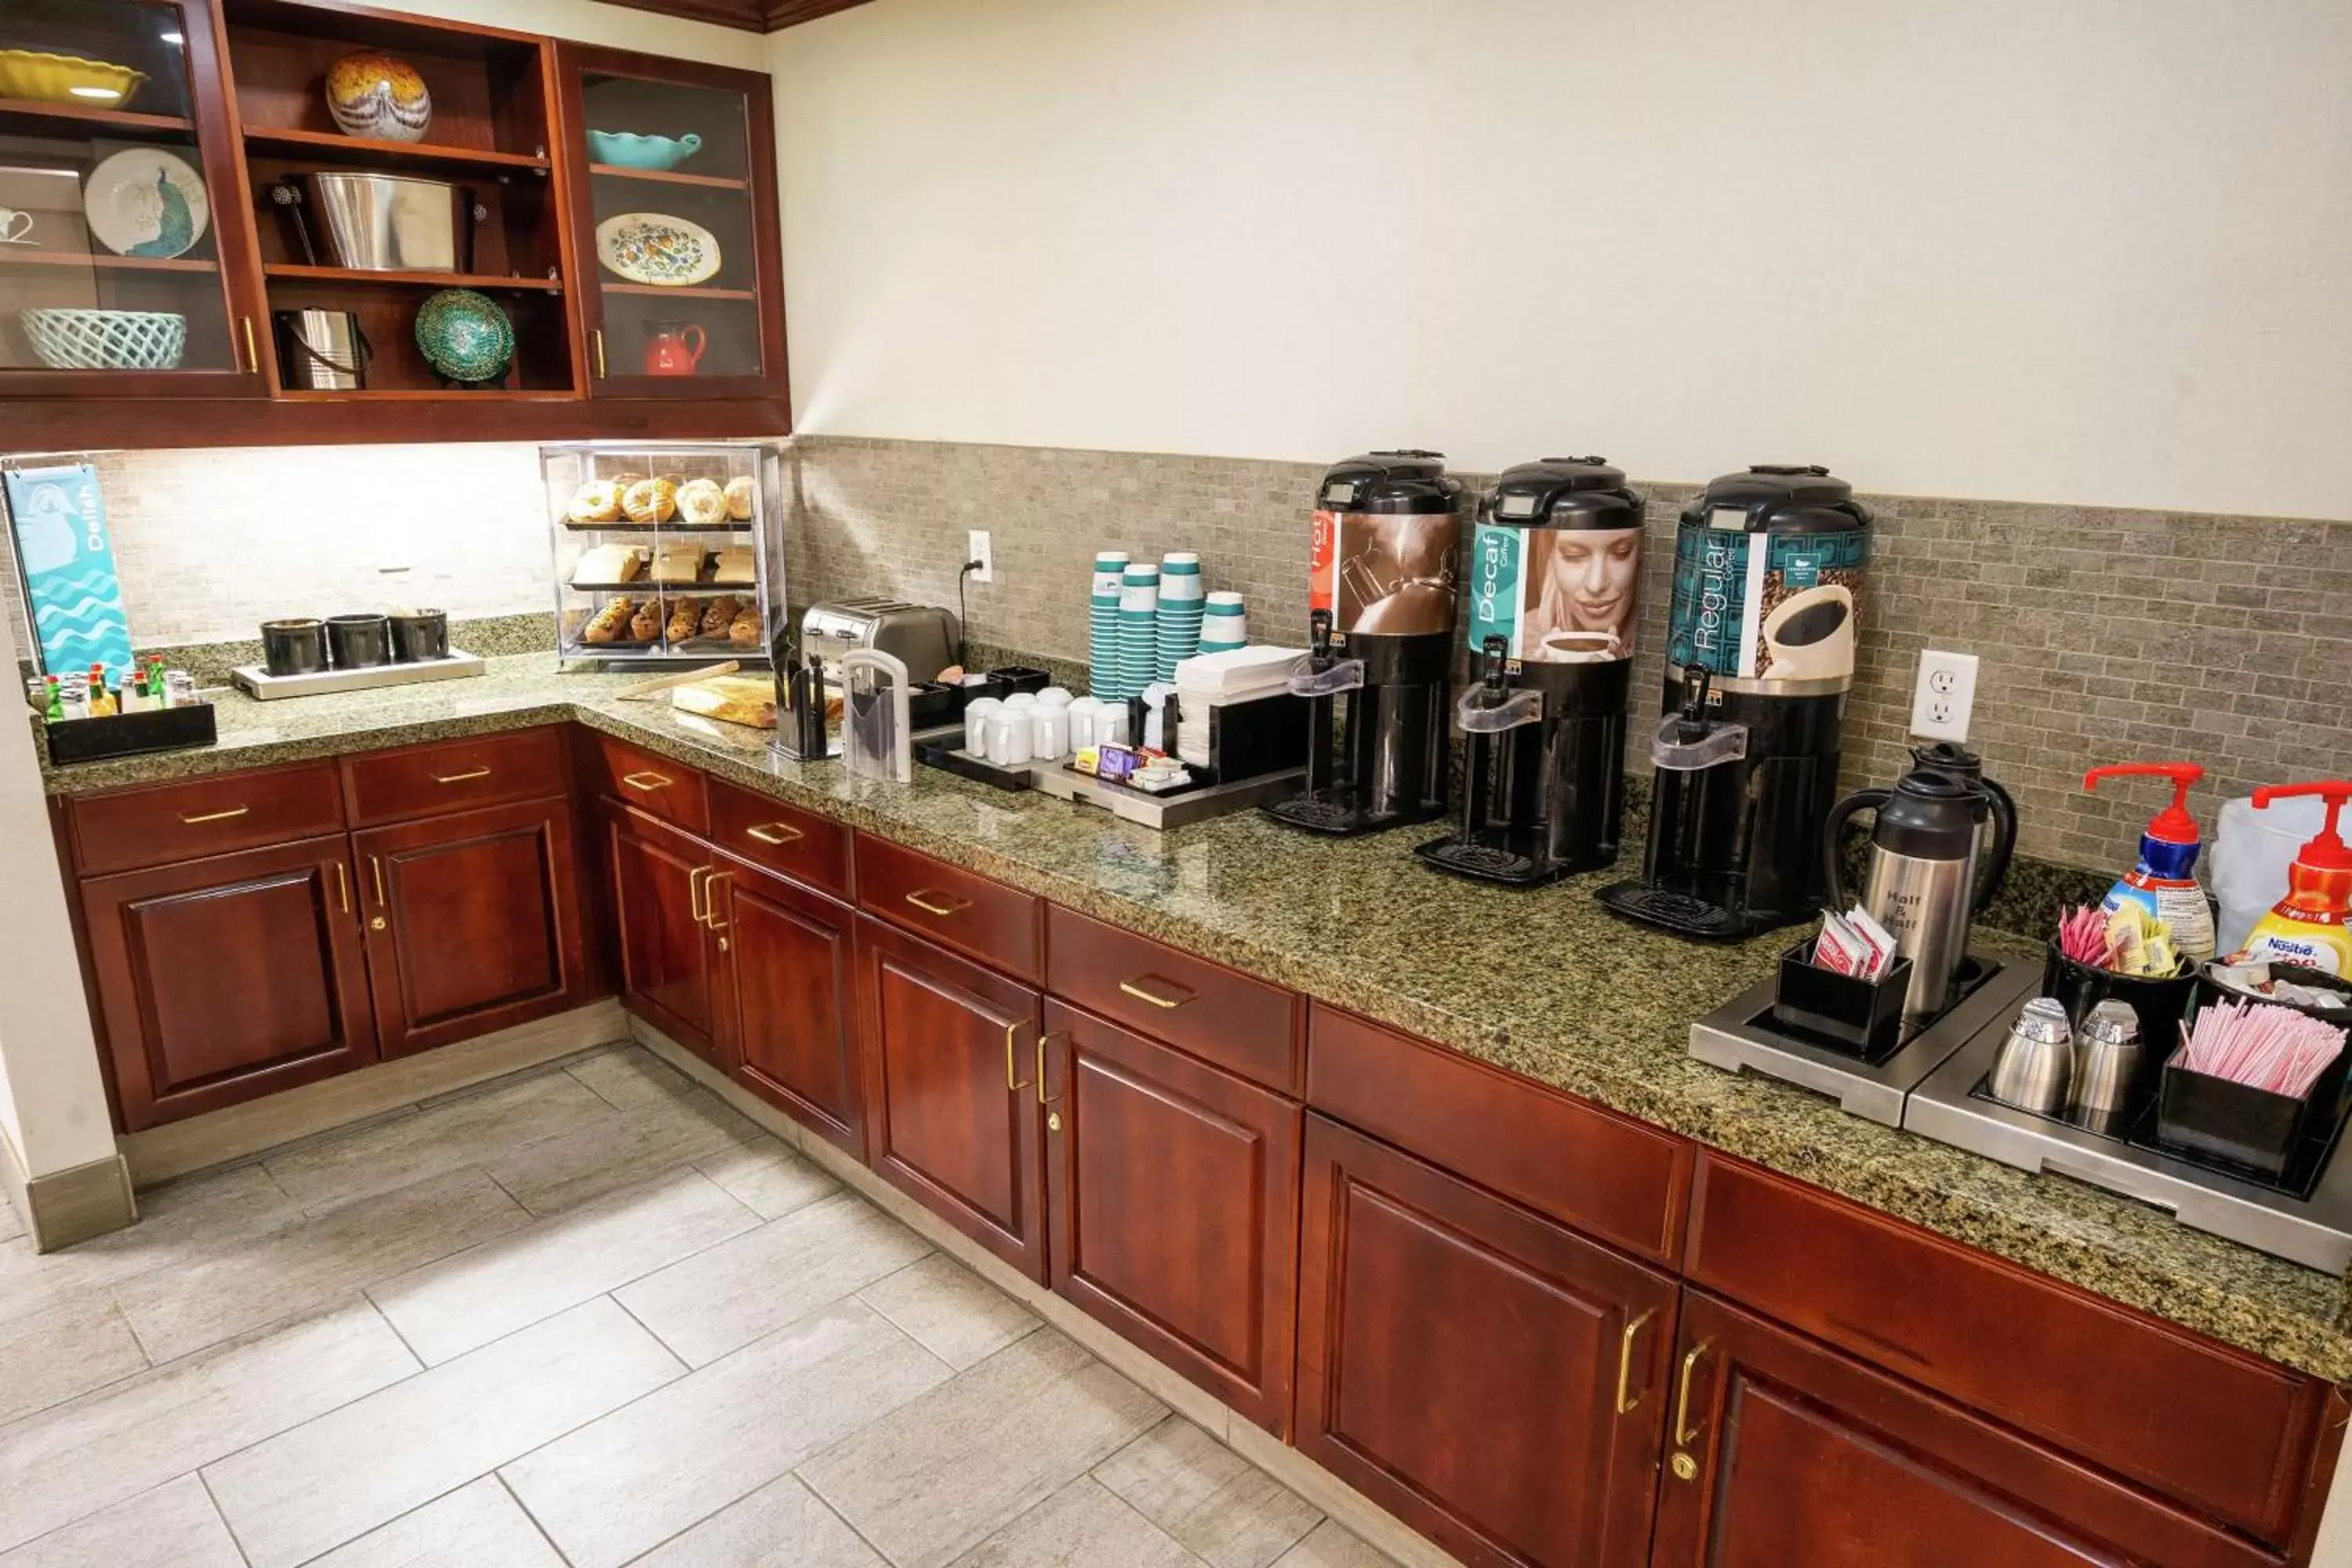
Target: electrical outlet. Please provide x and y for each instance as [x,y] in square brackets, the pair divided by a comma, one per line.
[977,548]
[1945,695]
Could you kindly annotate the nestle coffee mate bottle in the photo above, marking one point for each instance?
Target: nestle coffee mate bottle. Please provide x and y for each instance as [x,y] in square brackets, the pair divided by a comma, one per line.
[2313,924]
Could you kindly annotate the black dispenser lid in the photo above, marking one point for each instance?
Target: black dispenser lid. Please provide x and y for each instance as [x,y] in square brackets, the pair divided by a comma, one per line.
[1403,481]
[1563,492]
[1779,499]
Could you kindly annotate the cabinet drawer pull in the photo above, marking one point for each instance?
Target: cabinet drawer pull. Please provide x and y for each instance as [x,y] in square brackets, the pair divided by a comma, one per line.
[776,833]
[648,781]
[375,870]
[597,336]
[252,354]
[694,895]
[1136,989]
[342,888]
[215,816]
[1042,1098]
[710,899]
[1625,1364]
[922,899]
[461,778]
[1684,1430]
[1013,1084]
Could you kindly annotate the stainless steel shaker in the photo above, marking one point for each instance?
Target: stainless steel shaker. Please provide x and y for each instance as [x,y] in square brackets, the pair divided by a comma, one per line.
[2036,1065]
[2107,1064]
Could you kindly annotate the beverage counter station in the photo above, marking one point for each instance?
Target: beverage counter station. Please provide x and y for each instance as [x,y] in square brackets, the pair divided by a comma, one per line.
[1477,1141]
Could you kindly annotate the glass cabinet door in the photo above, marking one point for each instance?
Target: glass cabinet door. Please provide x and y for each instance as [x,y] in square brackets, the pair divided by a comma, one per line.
[119,204]
[673,170]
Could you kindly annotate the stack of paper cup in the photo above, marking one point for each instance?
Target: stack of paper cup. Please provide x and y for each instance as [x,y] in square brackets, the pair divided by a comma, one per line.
[1139,631]
[1102,615]
[1223,625]
[1181,590]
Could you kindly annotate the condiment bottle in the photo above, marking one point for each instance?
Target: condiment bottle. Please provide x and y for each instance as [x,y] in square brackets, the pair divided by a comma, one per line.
[2164,882]
[2036,1065]
[2107,1065]
[2311,926]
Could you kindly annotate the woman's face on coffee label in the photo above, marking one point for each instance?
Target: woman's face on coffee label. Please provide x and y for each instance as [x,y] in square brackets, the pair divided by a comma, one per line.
[1593,573]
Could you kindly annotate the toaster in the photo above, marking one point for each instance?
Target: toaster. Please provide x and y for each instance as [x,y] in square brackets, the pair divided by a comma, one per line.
[923,636]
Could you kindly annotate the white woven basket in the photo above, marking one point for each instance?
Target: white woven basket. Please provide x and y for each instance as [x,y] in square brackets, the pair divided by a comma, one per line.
[107,340]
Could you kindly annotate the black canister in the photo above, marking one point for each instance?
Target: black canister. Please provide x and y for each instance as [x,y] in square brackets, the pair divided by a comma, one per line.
[419,636]
[359,642]
[297,646]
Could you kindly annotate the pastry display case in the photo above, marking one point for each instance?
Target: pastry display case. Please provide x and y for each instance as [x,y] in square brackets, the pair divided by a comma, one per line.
[666,552]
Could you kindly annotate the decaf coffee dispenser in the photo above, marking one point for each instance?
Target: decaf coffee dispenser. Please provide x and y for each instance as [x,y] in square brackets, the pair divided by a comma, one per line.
[1381,622]
[1555,562]
[1769,568]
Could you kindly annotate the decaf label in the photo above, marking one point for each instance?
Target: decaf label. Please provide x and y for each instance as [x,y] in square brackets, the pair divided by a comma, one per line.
[1554,596]
[1385,573]
[1773,607]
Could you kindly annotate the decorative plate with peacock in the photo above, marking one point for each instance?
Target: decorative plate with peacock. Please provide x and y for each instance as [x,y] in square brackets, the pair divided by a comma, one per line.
[144,201]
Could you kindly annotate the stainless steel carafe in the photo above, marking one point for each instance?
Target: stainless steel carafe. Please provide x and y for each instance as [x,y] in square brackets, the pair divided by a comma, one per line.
[1922,884]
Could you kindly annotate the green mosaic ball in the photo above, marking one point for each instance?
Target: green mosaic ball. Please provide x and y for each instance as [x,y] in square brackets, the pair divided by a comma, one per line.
[466,336]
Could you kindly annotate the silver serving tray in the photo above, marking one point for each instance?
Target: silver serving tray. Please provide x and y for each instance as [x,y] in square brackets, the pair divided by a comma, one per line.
[1163,812]
[259,683]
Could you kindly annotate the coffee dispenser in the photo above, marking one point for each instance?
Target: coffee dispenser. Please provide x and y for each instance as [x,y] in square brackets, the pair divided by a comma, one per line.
[1555,563]
[1380,608]
[1769,568]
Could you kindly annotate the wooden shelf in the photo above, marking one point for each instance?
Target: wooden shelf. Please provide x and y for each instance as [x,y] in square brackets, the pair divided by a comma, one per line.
[79,259]
[656,291]
[431,395]
[292,272]
[333,147]
[669,177]
[85,116]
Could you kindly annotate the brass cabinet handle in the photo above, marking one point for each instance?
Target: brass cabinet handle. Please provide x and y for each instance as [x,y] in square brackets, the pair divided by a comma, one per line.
[776,833]
[1625,1363]
[375,869]
[342,888]
[461,778]
[694,894]
[252,354]
[1042,1098]
[952,905]
[648,781]
[1135,988]
[710,899]
[1684,1430]
[1013,1085]
[215,816]
[597,336]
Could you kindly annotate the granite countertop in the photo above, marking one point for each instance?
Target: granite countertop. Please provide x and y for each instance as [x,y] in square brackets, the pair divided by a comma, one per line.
[1545,983]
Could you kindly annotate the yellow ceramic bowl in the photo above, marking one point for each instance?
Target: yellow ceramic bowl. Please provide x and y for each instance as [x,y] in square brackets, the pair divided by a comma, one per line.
[62,78]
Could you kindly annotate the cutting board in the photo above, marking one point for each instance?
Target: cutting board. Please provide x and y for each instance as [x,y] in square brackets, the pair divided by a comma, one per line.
[748,699]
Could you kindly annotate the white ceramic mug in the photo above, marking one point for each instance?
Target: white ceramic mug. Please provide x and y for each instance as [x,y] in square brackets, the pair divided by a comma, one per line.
[1049,740]
[1010,737]
[975,723]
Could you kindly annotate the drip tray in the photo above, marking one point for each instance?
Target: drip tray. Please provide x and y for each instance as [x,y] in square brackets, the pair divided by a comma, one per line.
[1743,1036]
[2306,1217]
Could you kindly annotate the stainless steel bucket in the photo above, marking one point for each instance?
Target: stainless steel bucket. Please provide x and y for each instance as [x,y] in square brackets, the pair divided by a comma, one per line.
[391,222]
[322,351]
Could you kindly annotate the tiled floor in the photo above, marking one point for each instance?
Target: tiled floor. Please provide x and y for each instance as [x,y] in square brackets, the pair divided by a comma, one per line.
[591,1316]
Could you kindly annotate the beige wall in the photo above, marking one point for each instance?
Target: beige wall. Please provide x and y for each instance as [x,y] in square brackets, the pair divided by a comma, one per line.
[587,21]
[2048,250]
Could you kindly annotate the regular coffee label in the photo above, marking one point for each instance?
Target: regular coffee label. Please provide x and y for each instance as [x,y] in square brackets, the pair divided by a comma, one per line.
[1554,596]
[1765,606]
[1384,573]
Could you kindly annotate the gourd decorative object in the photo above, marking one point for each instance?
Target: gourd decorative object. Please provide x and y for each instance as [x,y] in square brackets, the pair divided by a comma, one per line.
[466,336]
[379,95]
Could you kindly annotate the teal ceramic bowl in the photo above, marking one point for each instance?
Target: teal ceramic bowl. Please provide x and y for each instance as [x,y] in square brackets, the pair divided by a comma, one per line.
[628,150]
[466,336]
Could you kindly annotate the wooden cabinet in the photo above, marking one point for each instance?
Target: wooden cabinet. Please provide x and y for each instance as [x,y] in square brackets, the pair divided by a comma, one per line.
[472,921]
[716,328]
[1787,1452]
[226,978]
[1498,1382]
[951,1057]
[1173,1194]
[656,875]
[784,998]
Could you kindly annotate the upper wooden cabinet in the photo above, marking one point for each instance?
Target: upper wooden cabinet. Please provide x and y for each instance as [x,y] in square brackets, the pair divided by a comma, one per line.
[674,219]
[225,203]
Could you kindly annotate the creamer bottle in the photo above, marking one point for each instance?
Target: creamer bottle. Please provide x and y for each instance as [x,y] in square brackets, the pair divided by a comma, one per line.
[2164,882]
[2311,926]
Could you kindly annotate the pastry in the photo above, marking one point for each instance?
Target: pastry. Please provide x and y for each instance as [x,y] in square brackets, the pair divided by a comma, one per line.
[734,564]
[607,563]
[610,622]
[745,630]
[623,481]
[598,500]
[646,623]
[683,619]
[650,500]
[742,495]
[702,502]
[717,613]
[677,561]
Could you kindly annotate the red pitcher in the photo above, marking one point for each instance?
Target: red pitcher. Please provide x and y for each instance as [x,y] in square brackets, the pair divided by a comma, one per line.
[674,349]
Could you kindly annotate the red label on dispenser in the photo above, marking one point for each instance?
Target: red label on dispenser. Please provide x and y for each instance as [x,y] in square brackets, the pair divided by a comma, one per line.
[1323,566]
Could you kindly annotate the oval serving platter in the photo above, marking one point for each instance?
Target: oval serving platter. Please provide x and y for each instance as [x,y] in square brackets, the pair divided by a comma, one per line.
[655,248]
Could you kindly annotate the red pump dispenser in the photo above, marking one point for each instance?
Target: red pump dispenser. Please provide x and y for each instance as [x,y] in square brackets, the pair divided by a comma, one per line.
[2164,882]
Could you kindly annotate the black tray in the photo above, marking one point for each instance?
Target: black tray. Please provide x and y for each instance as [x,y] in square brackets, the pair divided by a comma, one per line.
[129,734]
